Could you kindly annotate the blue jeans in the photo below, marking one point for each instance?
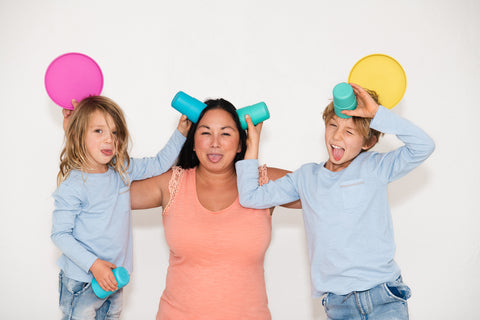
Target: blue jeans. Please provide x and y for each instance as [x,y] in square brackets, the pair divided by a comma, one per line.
[79,302]
[385,301]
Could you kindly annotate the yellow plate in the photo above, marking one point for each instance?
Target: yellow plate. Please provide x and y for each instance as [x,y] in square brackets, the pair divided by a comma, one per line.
[383,74]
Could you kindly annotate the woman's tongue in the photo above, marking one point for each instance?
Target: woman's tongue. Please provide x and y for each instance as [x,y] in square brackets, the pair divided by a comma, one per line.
[337,153]
[214,157]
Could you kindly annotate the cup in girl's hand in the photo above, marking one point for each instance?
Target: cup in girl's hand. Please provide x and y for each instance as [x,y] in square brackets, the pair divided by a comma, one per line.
[257,112]
[188,106]
[343,99]
[122,277]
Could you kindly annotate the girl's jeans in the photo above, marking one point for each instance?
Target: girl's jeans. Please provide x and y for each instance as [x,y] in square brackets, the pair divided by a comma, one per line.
[385,301]
[79,302]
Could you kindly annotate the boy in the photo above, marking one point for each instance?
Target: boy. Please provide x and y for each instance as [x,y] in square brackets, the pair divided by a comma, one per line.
[346,211]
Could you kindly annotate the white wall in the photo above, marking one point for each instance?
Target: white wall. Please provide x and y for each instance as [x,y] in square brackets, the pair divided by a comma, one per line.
[289,54]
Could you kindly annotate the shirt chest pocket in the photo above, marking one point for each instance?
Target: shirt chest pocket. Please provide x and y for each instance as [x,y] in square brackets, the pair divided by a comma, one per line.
[354,194]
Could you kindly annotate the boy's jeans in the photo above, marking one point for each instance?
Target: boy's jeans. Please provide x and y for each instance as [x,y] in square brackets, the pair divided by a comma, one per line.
[79,302]
[385,301]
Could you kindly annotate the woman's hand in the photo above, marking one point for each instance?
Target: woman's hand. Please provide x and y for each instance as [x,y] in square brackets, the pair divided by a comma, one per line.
[102,271]
[253,138]
[184,125]
[366,106]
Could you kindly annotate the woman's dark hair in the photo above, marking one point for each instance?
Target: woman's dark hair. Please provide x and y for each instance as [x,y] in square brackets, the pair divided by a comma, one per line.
[187,158]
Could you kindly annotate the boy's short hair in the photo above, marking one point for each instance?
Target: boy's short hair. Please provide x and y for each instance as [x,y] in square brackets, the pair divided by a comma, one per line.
[362,124]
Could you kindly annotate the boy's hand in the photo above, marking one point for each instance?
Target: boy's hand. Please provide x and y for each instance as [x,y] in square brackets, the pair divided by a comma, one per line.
[67,113]
[366,106]
[253,138]
[184,125]
[102,271]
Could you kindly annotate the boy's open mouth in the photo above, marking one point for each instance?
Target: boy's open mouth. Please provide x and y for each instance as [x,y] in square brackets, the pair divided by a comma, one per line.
[337,152]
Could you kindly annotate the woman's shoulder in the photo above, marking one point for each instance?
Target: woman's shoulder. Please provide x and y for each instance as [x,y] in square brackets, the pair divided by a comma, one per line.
[165,177]
[169,179]
[174,177]
[175,173]
[158,182]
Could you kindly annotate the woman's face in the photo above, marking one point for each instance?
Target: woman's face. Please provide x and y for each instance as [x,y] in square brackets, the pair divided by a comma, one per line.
[216,140]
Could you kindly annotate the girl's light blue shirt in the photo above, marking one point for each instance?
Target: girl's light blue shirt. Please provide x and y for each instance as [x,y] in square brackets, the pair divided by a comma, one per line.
[346,214]
[92,217]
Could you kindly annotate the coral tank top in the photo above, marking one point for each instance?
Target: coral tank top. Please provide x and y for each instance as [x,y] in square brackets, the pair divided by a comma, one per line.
[216,258]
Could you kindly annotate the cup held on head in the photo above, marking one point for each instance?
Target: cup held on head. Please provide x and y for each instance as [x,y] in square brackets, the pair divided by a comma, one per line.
[188,106]
[257,112]
[343,99]
[192,108]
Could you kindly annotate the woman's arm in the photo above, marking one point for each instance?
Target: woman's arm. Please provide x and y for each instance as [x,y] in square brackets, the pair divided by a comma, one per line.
[151,192]
[246,190]
[253,138]
[276,173]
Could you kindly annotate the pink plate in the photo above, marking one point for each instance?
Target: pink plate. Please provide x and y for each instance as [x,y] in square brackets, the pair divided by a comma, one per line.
[73,76]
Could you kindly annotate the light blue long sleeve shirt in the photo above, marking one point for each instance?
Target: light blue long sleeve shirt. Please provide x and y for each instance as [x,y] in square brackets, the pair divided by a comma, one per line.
[92,216]
[346,213]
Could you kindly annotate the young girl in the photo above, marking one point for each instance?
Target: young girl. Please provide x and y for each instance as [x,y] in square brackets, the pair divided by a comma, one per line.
[92,217]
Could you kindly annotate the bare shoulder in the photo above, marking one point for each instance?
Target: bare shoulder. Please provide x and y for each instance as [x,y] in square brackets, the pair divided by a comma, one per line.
[151,192]
[154,182]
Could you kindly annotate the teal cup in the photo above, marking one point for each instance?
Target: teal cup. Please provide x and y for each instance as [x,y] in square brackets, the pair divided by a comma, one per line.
[192,108]
[122,277]
[188,106]
[257,112]
[343,99]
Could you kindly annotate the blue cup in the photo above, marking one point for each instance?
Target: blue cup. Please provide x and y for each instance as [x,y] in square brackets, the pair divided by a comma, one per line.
[188,106]
[257,112]
[192,108]
[343,99]
[122,277]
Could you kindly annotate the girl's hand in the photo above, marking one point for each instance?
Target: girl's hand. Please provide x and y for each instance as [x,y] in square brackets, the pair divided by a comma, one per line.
[102,271]
[68,113]
[184,125]
[366,106]
[253,138]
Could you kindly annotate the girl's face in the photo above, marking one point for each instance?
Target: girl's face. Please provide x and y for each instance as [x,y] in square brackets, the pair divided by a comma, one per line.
[216,140]
[101,141]
[344,143]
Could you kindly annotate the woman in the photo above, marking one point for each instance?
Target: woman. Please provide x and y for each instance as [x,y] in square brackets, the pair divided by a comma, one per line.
[217,247]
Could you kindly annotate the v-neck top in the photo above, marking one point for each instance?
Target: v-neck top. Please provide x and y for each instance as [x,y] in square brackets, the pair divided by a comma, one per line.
[216,258]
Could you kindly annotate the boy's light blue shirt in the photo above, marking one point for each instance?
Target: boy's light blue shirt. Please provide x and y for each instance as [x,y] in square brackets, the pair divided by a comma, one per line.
[346,214]
[92,216]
